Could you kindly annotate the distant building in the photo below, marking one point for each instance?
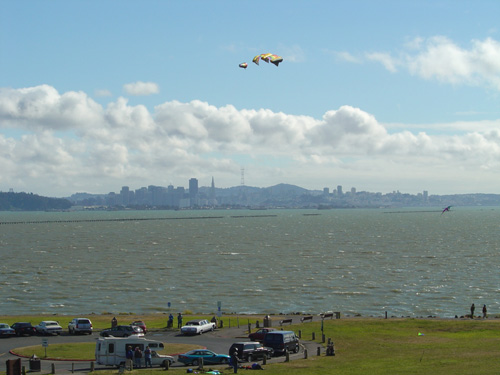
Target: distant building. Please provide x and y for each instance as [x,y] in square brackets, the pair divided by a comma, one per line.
[326,191]
[353,191]
[339,190]
[212,199]
[193,192]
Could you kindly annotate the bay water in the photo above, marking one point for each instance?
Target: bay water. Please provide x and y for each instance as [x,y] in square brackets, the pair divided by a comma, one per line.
[407,262]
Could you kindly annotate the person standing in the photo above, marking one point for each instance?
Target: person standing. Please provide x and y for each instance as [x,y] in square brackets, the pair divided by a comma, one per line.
[147,357]
[234,360]
[472,308]
[179,320]
[129,358]
[485,311]
[137,357]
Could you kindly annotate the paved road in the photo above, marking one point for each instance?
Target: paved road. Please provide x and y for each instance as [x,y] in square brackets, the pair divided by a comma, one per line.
[218,341]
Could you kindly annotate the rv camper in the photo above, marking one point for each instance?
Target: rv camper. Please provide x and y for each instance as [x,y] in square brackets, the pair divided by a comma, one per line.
[111,351]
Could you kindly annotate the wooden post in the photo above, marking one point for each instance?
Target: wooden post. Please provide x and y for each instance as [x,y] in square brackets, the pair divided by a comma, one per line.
[200,366]
[167,365]
[300,333]
[305,353]
[319,350]
[23,370]
[287,356]
[323,338]
[313,336]
[73,367]
[264,360]
[92,366]
[249,327]
[53,369]
[386,314]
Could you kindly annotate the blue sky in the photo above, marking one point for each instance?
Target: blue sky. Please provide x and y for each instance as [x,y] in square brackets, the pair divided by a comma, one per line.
[377,95]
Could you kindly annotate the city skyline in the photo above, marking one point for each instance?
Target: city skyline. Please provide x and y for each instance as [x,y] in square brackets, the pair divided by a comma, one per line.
[380,95]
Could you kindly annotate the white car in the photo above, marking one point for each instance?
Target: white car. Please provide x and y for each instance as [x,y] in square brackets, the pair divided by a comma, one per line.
[6,331]
[48,327]
[80,325]
[197,327]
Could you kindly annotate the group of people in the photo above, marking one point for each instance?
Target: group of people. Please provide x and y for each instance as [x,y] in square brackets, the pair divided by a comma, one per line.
[473,308]
[134,357]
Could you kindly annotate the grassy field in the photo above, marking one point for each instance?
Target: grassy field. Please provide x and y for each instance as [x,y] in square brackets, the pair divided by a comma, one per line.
[387,346]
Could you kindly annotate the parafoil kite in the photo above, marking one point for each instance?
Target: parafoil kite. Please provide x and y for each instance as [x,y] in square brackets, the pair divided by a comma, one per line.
[243,65]
[268,57]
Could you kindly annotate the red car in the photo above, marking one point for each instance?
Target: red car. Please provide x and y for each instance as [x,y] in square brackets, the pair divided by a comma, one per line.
[141,324]
[259,334]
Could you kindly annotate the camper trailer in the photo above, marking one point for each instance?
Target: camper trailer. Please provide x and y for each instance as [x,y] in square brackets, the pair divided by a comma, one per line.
[111,351]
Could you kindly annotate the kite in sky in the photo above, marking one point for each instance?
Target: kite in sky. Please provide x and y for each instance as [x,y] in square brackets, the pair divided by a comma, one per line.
[446,209]
[268,57]
[243,65]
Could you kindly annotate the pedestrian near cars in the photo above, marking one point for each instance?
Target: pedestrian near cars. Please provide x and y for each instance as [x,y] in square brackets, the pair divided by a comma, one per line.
[137,357]
[170,323]
[179,320]
[129,358]
[147,357]
[234,360]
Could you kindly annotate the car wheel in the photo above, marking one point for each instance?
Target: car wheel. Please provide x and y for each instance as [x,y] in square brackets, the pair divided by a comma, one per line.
[296,349]
[224,361]
[195,362]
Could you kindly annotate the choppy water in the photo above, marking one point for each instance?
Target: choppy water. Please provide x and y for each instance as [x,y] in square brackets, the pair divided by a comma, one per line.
[354,261]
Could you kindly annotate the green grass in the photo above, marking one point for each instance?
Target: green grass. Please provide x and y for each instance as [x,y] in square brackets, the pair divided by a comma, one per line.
[103,321]
[390,346]
[86,350]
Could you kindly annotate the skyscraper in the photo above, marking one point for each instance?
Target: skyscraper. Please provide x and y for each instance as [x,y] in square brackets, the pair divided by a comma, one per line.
[193,192]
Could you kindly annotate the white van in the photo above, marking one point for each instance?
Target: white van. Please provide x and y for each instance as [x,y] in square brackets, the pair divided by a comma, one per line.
[111,351]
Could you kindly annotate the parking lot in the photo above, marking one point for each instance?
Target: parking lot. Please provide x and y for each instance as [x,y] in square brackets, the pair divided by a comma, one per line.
[218,341]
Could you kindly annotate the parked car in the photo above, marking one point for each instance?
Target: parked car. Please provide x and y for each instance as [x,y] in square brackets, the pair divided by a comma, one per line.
[249,351]
[209,358]
[282,341]
[48,327]
[80,325]
[141,324]
[6,331]
[197,327]
[122,331]
[259,334]
[23,329]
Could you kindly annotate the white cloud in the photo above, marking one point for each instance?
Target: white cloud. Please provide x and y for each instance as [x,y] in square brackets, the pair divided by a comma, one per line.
[141,88]
[71,143]
[441,59]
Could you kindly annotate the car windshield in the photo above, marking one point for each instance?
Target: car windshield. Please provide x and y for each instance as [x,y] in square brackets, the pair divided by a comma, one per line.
[51,324]
[4,326]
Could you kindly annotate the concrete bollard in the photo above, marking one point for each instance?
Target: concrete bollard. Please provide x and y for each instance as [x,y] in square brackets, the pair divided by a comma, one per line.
[72,367]
[300,333]
[319,351]
[53,369]
[305,353]
[287,356]
[313,336]
[323,338]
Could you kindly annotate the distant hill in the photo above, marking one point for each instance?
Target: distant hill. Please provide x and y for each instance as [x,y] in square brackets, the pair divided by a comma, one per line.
[31,202]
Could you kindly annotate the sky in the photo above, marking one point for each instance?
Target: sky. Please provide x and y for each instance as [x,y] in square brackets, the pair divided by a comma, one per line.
[379,95]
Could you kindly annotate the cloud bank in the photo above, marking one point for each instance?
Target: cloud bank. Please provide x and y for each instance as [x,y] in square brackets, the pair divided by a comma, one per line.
[59,143]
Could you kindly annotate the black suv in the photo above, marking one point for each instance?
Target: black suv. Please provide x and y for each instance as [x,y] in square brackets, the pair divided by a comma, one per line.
[23,328]
[251,350]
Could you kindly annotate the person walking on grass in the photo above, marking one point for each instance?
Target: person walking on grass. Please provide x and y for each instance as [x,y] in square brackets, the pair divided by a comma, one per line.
[472,308]
[485,311]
